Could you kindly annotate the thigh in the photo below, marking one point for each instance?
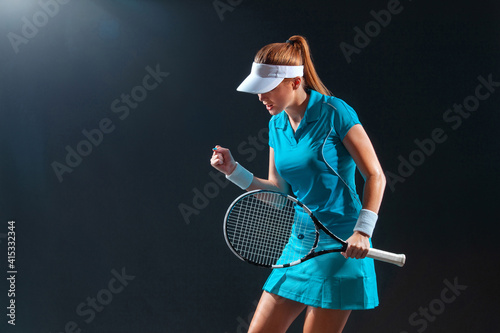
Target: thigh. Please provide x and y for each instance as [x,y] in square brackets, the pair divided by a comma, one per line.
[274,314]
[325,320]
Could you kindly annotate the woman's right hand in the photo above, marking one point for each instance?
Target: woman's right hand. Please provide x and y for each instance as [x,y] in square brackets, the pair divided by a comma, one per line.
[222,160]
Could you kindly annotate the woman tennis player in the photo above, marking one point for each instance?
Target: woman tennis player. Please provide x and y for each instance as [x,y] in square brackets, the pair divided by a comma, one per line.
[316,142]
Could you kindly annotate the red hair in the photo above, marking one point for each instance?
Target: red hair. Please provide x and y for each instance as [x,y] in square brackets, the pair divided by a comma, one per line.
[294,52]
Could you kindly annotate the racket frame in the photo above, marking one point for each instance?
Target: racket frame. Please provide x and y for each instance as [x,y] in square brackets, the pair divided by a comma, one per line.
[396,259]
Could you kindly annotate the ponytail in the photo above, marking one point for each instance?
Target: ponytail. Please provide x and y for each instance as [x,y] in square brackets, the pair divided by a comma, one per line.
[294,52]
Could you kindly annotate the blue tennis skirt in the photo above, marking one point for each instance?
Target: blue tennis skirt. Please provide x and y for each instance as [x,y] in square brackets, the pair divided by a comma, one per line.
[328,281]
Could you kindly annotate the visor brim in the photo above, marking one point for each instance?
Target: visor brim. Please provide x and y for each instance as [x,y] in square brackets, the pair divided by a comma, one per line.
[255,84]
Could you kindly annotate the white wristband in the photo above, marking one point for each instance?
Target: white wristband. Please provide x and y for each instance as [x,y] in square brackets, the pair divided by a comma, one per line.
[241,177]
[366,222]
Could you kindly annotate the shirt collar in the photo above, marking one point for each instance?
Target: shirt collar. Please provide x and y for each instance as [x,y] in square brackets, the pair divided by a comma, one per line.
[313,110]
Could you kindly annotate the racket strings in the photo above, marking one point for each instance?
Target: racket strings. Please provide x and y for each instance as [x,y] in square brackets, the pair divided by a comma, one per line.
[261,226]
[251,225]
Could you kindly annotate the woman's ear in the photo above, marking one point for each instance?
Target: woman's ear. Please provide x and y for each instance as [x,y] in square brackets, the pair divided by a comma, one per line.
[297,82]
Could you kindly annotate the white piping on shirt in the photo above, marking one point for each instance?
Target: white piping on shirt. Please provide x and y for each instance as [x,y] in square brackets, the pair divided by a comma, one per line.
[353,193]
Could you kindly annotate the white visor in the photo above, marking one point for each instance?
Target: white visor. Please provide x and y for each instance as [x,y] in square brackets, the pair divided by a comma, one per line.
[265,78]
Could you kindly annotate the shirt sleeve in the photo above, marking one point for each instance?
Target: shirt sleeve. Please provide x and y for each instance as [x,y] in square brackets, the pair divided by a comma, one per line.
[345,118]
[272,132]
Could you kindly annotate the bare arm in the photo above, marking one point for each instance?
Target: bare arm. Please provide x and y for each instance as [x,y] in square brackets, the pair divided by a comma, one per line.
[274,181]
[223,161]
[361,149]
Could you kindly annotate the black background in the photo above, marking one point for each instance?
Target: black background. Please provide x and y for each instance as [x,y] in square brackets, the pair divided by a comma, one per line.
[121,208]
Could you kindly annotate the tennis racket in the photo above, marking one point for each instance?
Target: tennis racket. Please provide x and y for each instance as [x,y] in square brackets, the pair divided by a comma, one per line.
[275,230]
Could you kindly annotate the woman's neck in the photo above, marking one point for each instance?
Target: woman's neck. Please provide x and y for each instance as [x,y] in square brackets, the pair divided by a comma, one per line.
[297,110]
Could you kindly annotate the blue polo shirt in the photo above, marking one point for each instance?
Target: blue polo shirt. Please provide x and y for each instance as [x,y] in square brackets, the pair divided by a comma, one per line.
[321,172]
[314,161]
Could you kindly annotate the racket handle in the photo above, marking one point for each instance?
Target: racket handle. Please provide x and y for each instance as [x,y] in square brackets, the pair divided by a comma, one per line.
[389,257]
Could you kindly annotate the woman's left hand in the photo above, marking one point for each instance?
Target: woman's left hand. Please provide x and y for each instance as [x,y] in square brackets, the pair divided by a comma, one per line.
[358,246]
